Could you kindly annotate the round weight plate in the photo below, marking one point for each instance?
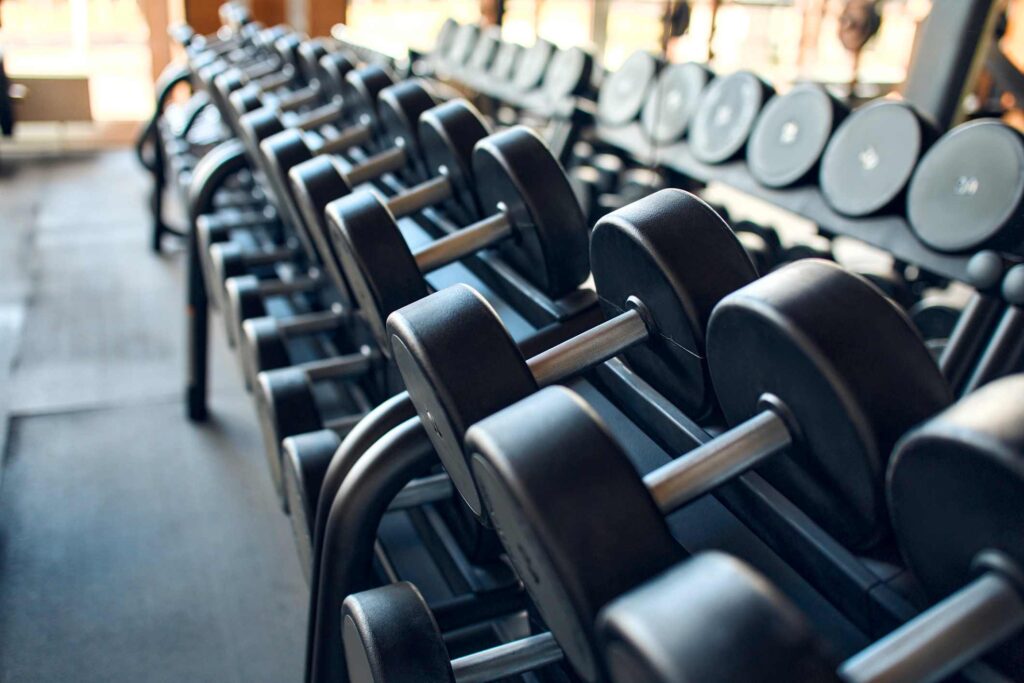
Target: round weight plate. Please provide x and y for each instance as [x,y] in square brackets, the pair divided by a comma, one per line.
[310,54]
[262,347]
[851,370]
[445,36]
[258,125]
[382,273]
[871,157]
[660,631]
[286,407]
[968,191]
[790,135]
[515,172]
[314,185]
[399,108]
[390,635]
[506,62]
[955,486]
[333,68]
[623,92]
[679,258]
[484,51]
[538,483]
[448,134]
[359,94]
[568,74]
[462,45]
[459,365]
[671,104]
[532,65]
[288,47]
[304,460]
[725,116]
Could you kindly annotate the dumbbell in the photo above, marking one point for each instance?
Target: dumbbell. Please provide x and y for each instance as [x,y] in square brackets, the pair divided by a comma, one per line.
[817,404]
[399,108]
[968,191]
[532,65]
[624,91]
[442,140]
[390,635]
[725,116]
[673,100]
[659,267]
[537,223]
[286,403]
[528,213]
[871,156]
[954,490]
[1004,352]
[791,133]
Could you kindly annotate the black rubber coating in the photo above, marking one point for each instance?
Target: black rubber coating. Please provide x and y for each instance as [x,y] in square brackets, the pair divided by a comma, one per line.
[506,62]
[791,134]
[968,191]
[850,368]
[333,68]
[955,486]
[711,618]
[484,51]
[390,636]
[459,365]
[725,116]
[310,52]
[266,345]
[870,158]
[286,407]
[516,172]
[672,102]
[381,270]
[577,522]
[462,45]
[624,91]
[671,251]
[360,91]
[448,133]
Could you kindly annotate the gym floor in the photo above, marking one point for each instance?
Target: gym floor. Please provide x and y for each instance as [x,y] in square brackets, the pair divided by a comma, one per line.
[133,544]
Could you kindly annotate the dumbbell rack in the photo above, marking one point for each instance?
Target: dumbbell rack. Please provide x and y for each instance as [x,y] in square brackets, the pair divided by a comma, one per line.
[888,232]
[851,597]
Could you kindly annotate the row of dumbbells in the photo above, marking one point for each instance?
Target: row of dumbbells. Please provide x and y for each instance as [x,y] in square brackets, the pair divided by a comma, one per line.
[685,308]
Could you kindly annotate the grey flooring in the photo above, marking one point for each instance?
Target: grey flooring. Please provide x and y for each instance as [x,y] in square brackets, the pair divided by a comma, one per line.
[133,544]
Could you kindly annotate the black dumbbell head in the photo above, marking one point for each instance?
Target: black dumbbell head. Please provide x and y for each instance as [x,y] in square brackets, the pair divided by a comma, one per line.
[870,158]
[569,73]
[390,636]
[286,407]
[258,125]
[851,371]
[522,474]
[672,101]
[790,135]
[448,133]
[710,618]
[677,256]
[725,116]
[445,36]
[333,68]
[968,190]
[360,91]
[624,91]
[458,360]
[381,270]
[399,108]
[514,171]
[955,486]
[310,53]
[532,65]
